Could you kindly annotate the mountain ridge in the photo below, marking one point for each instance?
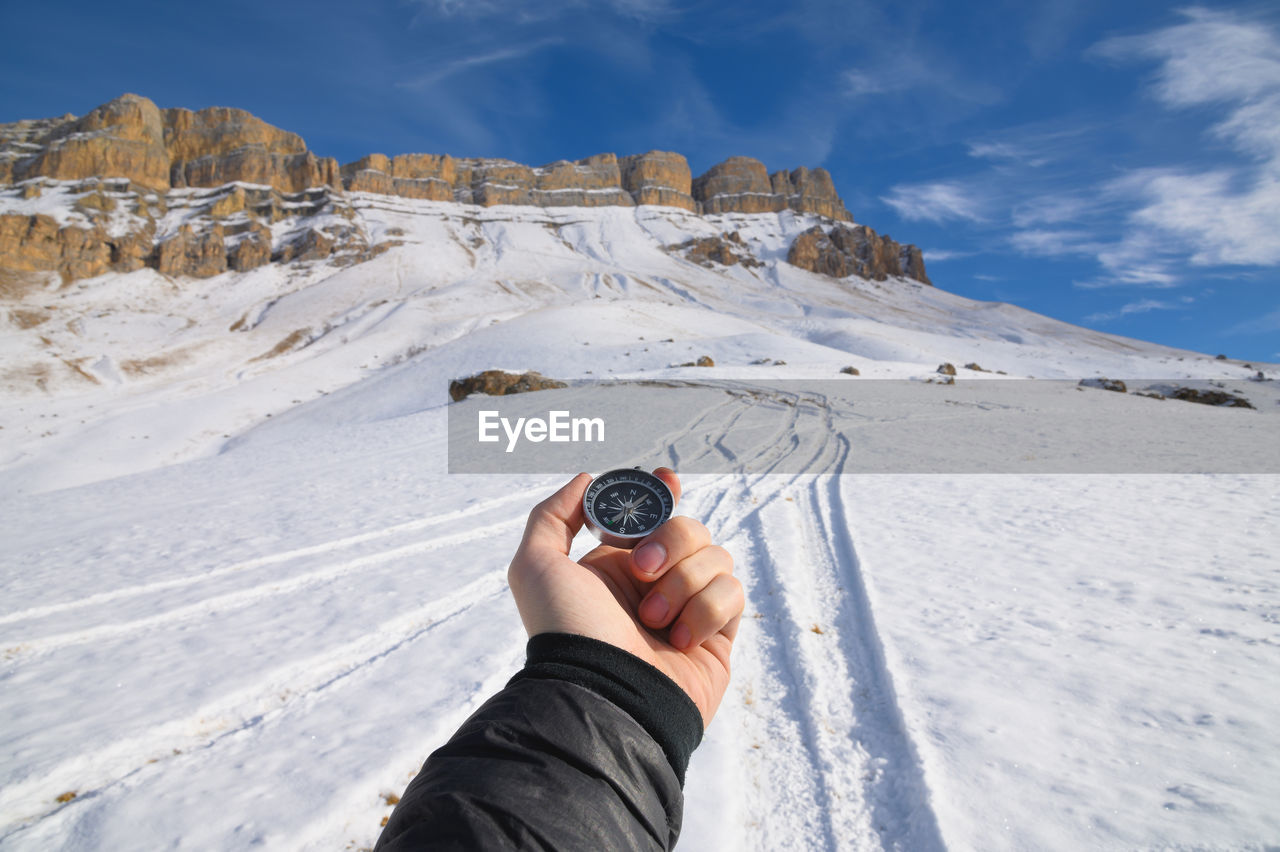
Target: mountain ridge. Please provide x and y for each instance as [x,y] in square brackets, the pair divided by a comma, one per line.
[121,167]
[130,137]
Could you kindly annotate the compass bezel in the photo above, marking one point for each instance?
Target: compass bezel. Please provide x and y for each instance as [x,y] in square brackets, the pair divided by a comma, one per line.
[644,479]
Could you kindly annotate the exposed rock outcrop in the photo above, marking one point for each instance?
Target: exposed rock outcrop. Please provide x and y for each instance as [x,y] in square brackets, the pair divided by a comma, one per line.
[130,138]
[660,178]
[426,176]
[727,250]
[743,185]
[219,145]
[37,244]
[121,139]
[1103,383]
[186,253]
[501,383]
[128,163]
[856,250]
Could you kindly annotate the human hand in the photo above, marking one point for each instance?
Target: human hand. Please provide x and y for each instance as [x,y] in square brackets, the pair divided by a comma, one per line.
[672,601]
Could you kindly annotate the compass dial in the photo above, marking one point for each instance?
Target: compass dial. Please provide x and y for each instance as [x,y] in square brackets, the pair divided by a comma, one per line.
[623,506]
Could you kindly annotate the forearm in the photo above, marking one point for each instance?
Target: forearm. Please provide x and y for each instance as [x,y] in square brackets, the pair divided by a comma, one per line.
[585,749]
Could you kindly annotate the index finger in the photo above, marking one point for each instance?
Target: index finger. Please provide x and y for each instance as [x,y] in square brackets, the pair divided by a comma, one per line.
[668,476]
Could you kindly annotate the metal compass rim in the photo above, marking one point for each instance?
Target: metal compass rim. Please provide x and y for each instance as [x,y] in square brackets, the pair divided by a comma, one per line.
[622,518]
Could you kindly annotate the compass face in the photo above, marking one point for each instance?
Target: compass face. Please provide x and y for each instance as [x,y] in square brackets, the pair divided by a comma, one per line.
[623,506]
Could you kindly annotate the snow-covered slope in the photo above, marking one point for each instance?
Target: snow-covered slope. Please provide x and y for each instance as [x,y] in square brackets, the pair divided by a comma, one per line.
[242,600]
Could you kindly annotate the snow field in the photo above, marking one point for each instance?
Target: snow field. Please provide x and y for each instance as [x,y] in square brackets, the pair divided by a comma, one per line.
[241,600]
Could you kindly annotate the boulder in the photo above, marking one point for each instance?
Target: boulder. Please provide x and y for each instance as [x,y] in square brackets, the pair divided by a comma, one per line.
[500,383]
[1211,397]
[1105,384]
[726,250]
[855,250]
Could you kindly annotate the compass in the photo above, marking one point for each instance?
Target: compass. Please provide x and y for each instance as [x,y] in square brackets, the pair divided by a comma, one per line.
[625,505]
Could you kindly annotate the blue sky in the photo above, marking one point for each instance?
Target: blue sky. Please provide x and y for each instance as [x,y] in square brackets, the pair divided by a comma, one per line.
[1112,164]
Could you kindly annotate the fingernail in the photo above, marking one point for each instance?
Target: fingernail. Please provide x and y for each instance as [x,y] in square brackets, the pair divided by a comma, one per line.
[655,608]
[649,558]
[680,636]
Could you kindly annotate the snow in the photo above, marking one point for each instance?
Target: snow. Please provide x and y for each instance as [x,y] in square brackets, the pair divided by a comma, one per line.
[241,599]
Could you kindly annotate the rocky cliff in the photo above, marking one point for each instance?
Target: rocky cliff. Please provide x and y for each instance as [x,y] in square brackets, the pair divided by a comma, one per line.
[124,167]
[856,250]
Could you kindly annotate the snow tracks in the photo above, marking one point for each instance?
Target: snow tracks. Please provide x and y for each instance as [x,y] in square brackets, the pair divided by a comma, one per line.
[276,700]
[822,759]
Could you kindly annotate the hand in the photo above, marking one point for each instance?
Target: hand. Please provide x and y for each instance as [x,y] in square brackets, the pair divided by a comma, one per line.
[672,601]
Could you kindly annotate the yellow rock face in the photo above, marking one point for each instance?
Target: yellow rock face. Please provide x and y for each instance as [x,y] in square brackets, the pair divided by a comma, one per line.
[128,156]
[659,177]
[122,139]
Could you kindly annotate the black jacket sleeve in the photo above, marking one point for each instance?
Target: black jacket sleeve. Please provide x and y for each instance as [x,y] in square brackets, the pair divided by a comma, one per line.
[585,749]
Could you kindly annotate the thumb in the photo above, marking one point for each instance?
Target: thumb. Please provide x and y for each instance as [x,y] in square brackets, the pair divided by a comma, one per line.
[555,521]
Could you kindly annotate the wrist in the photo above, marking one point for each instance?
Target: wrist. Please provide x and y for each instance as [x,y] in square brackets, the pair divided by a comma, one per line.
[649,696]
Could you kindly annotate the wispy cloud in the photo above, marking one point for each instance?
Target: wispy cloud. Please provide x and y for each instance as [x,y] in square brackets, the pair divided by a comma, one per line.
[857,83]
[940,201]
[1142,306]
[463,64]
[638,9]
[1213,59]
[903,71]
[996,150]
[1040,242]
[940,255]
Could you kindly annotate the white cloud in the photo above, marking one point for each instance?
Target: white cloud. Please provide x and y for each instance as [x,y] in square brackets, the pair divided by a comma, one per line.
[1223,215]
[935,202]
[479,60]
[1212,58]
[939,255]
[859,83]
[1221,225]
[1053,243]
[638,9]
[1141,306]
[1005,151]
[1053,210]
[901,70]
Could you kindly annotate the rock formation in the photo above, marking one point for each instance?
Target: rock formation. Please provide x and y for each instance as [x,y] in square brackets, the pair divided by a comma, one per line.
[501,383]
[856,250]
[659,177]
[727,250]
[127,163]
[743,185]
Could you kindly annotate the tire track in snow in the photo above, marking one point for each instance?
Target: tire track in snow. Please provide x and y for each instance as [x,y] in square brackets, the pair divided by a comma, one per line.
[117,595]
[895,787]
[794,757]
[860,779]
[27,802]
[24,649]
